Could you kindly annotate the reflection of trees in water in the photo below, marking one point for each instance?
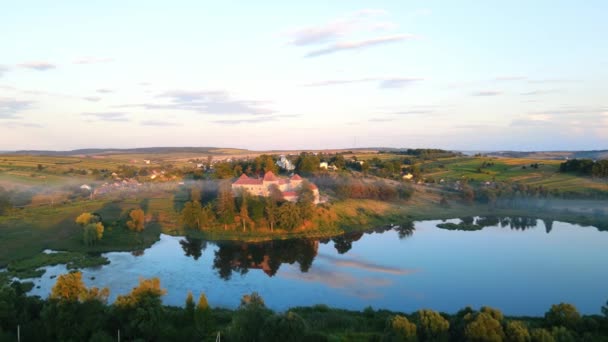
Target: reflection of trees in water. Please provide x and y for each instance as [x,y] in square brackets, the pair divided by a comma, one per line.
[193,247]
[268,256]
[138,253]
[548,225]
[344,243]
[515,222]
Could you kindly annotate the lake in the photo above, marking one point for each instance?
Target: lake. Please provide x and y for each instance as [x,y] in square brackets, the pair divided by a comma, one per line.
[518,265]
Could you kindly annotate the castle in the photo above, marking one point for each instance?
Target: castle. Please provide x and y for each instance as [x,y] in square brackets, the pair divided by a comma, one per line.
[261,187]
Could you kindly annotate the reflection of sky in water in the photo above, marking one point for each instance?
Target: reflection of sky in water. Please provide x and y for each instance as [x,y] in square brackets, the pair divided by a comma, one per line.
[520,272]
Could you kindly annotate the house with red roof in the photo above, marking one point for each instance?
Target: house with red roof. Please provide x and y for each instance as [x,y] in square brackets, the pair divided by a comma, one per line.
[261,186]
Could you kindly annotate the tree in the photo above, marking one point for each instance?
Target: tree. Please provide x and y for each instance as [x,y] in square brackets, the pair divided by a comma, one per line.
[541,335]
[191,215]
[271,211]
[189,308]
[432,326]
[517,331]
[137,220]
[203,321]
[92,228]
[399,328]
[225,204]
[141,311]
[286,327]
[248,322]
[289,216]
[605,310]
[563,314]
[306,200]
[244,212]
[484,328]
[70,288]
[275,193]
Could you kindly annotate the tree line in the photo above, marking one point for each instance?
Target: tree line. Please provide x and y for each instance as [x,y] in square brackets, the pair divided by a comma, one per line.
[586,167]
[74,312]
[247,212]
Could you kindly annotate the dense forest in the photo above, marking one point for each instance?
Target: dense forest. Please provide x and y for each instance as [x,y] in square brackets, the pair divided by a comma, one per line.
[74,312]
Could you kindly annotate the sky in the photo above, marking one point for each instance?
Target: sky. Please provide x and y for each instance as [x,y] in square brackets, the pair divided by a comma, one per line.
[466,75]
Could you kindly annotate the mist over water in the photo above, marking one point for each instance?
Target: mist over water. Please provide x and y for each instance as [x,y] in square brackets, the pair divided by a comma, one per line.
[519,265]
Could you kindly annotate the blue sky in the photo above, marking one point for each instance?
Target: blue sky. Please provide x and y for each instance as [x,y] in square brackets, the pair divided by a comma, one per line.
[472,75]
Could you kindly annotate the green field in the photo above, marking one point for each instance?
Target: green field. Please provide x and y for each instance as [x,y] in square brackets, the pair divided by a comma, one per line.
[26,232]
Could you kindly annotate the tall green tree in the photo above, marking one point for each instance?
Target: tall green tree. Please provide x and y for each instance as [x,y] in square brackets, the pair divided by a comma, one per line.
[225,204]
[289,216]
[271,211]
[306,200]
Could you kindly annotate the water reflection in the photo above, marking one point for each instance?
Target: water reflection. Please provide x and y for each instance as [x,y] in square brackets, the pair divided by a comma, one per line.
[267,256]
[193,247]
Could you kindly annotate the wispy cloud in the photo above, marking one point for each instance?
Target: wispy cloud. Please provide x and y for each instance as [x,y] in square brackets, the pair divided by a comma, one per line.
[510,78]
[359,44]
[3,70]
[19,124]
[335,29]
[9,108]
[540,92]
[40,66]
[253,120]
[92,98]
[93,60]
[109,116]
[383,83]
[487,93]
[104,90]
[392,83]
[381,119]
[159,123]
[210,102]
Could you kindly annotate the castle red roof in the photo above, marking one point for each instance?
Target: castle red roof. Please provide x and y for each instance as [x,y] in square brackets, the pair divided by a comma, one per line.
[244,180]
[296,177]
[270,177]
[289,194]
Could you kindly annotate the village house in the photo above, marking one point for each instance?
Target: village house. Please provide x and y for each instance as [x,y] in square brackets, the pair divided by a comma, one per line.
[261,186]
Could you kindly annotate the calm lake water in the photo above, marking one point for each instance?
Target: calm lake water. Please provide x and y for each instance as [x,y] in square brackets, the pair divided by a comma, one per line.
[521,266]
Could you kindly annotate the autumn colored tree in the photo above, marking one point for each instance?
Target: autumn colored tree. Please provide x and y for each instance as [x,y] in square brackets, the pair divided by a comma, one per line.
[484,328]
[92,228]
[399,328]
[141,311]
[563,314]
[137,221]
[517,331]
[432,326]
[70,287]
[541,335]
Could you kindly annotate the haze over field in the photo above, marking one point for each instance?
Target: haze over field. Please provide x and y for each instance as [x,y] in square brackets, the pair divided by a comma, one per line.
[515,75]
